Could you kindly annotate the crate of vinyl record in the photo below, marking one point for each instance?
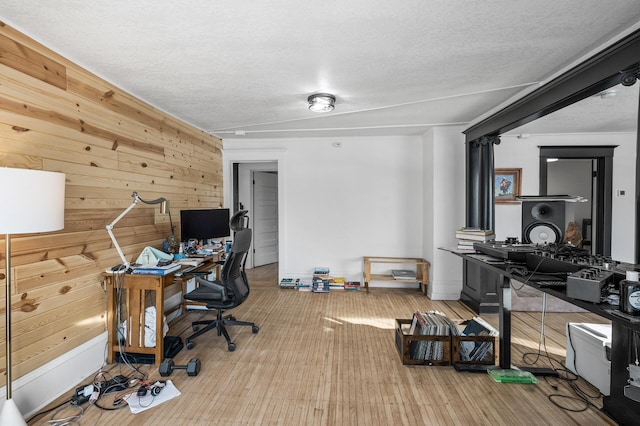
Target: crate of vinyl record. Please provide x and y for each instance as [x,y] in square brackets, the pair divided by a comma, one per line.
[425,339]
[475,343]
[430,338]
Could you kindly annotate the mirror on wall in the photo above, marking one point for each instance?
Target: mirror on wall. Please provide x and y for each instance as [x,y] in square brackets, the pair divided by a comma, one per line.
[574,176]
[607,119]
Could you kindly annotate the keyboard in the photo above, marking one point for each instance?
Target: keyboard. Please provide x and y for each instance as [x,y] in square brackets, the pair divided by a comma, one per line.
[550,284]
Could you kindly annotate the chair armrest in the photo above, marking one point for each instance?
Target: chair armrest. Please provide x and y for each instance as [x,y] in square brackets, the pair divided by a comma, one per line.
[214,286]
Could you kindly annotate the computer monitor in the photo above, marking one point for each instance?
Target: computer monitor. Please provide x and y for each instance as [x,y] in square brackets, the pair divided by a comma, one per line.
[204,224]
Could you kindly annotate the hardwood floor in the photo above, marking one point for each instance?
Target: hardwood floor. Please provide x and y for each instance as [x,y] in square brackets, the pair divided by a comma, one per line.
[330,359]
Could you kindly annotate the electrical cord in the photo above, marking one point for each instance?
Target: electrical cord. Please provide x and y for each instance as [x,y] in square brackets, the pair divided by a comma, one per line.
[582,398]
[70,420]
[42,413]
[529,277]
[151,388]
[117,397]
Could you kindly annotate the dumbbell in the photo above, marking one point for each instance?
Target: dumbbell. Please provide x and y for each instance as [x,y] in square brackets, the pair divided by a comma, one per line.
[167,366]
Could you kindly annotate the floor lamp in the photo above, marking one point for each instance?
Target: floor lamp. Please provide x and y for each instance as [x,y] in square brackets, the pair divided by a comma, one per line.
[32,201]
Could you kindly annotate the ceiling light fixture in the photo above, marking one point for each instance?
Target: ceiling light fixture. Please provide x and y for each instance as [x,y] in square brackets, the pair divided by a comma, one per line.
[321,102]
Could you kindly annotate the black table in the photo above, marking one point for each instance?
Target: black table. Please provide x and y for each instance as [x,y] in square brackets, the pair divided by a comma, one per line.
[621,408]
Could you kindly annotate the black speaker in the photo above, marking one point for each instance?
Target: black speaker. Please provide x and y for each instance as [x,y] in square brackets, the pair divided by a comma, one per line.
[545,222]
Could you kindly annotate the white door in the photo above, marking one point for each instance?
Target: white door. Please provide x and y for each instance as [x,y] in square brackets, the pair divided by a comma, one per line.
[265,218]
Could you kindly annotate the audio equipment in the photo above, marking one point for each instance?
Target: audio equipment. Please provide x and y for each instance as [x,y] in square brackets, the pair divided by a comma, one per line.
[588,284]
[545,220]
[501,250]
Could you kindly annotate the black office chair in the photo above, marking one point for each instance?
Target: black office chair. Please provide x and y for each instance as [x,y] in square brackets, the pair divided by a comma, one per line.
[230,290]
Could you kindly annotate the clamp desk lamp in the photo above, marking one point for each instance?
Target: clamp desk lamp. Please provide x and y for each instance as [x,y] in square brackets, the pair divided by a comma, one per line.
[164,208]
[33,201]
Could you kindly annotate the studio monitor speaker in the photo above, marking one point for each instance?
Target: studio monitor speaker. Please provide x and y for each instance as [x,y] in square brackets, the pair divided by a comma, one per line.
[545,222]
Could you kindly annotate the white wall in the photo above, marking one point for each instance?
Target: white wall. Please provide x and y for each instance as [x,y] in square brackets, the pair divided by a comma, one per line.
[364,198]
[444,208]
[404,196]
[525,154]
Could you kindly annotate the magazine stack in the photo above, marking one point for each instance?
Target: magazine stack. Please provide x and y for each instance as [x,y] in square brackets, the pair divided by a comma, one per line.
[469,235]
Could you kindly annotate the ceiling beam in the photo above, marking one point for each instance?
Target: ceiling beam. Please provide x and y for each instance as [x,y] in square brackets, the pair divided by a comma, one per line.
[598,73]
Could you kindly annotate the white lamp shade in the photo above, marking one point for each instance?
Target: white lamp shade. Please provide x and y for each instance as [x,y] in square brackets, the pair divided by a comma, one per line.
[32,201]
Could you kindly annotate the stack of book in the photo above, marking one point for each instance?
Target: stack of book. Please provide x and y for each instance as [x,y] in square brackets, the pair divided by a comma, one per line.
[469,235]
[320,280]
[477,351]
[304,285]
[154,269]
[431,323]
[336,283]
[289,282]
[320,285]
[352,285]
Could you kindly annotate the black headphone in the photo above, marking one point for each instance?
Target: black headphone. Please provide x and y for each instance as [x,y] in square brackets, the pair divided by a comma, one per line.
[155,389]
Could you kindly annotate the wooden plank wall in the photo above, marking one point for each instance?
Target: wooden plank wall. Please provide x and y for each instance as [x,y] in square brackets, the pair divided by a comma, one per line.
[58,117]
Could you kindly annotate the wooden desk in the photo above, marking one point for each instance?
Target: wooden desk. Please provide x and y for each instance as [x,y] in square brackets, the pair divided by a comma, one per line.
[132,294]
[421,266]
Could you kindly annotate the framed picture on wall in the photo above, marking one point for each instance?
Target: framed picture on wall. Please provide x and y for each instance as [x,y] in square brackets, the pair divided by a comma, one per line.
[507,185]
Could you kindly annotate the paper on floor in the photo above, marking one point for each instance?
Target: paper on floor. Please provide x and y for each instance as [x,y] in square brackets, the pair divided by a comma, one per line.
[138,404]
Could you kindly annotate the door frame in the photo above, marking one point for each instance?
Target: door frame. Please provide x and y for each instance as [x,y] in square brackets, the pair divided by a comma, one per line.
[232,156]
[603,158]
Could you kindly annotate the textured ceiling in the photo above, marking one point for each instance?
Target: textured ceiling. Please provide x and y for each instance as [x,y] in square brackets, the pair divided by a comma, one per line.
[395,67]
[614,110]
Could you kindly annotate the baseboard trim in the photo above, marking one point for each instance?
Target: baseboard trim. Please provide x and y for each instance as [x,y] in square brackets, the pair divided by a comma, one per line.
[38,388]
[444,290]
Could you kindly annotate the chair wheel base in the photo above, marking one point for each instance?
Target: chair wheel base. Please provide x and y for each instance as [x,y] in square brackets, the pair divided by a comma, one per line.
[190,345]
[255,329]
[231,347]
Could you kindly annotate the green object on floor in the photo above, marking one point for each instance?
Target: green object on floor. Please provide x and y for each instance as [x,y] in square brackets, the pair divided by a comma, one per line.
[512,376]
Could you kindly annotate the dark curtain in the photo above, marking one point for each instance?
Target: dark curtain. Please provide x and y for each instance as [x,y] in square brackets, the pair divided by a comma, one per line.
[479,186]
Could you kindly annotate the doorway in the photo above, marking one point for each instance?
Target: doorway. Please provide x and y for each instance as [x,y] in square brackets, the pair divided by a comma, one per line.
[585,171]
[265,217]
[277,160]
[255,188]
